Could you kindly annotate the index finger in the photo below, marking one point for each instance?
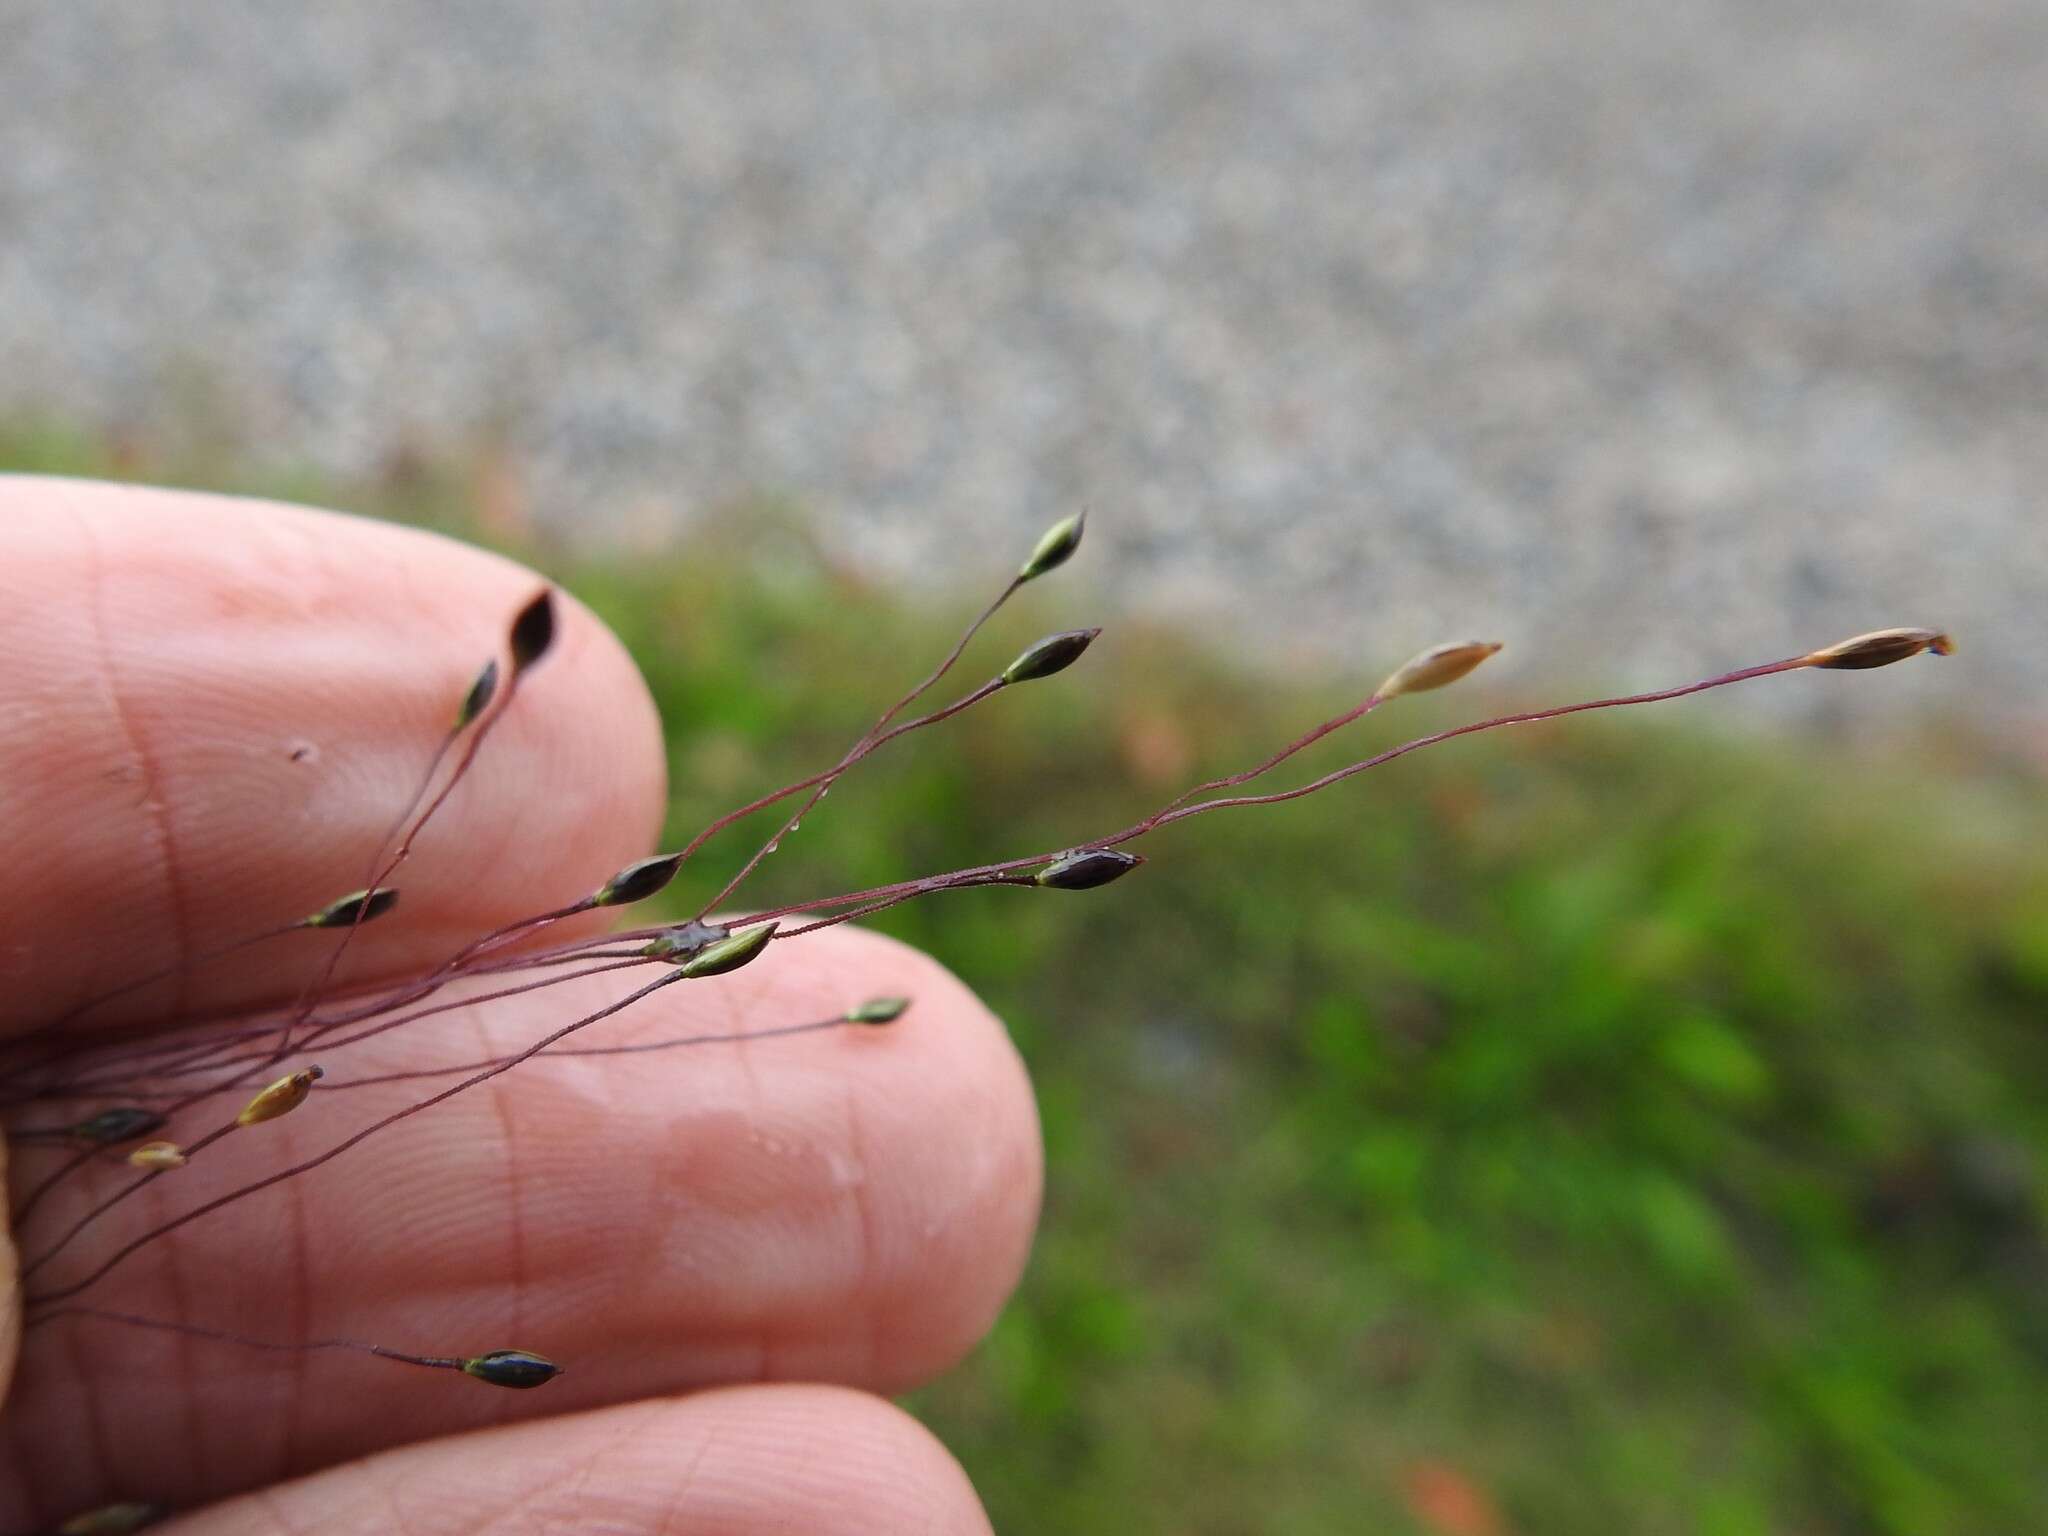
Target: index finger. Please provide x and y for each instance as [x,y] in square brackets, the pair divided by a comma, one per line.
[212,708]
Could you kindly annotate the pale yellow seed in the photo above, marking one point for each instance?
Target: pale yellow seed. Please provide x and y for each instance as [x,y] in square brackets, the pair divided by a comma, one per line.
[281,1097]
[1437,667]
[156,1155]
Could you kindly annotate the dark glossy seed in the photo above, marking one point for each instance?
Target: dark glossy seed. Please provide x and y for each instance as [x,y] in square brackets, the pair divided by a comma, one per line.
[533,631]
[636,882]
[1086,868]
[480,694]
[354,909]
[516,1368]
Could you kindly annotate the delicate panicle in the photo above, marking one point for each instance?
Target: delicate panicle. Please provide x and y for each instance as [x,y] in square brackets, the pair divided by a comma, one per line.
[353,910]
[1055,653]
[1086,868]
[729,954]
[480,694]
[638,881]
[281,1097]
[533,631]
[110,1127]
[1056,548]
[517,1368]
[879,1010]
[1880,648]
[181,1073]
[1437,667]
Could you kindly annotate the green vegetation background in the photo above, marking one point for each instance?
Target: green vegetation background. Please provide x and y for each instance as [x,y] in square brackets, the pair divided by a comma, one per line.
[1614,1127]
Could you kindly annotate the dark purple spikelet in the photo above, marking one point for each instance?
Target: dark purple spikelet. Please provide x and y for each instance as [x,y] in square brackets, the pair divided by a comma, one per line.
[1055,653]
[638,881]
[1086,868]
[533,631]
[519,1369]
[480,694]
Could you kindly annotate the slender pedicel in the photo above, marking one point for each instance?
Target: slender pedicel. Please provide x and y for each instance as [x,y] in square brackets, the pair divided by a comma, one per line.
[1053,550]
[517,1368]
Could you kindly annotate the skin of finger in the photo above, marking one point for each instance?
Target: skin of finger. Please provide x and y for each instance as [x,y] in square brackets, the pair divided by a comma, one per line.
[742,1462]
[850,1206]
[10,1294]
[213,709]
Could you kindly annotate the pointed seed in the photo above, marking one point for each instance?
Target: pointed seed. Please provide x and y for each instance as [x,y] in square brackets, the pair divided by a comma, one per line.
[533,631]
[1056,548]
[480,694]
[1086,868]
[1055,653]
[729,954]
[281,1097]
[638,881]
[1437,667]
[517,1368]
[1880,648]
[879,1010]
[353,910]
[157,1156]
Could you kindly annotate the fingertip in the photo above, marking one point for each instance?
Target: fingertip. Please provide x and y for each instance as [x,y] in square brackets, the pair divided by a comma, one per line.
[233,699]
[748,1461]
[935,1162]
[955,1241]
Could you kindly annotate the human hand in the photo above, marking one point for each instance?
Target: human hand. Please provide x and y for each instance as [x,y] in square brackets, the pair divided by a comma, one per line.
[210,710]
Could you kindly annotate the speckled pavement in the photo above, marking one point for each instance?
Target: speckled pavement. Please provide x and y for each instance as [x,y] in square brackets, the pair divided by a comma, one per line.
[1646,337]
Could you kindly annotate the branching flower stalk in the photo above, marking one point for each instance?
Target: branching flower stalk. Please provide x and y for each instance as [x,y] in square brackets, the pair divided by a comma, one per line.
[150,1105]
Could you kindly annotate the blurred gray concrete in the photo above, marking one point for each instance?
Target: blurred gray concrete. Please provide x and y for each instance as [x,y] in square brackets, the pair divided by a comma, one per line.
[1651,336]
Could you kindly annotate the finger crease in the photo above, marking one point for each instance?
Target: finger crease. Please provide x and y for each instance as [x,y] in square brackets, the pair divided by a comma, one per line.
[145,765]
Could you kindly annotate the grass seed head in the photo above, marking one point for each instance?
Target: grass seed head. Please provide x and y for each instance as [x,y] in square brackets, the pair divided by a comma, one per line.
[1880,648]
[533,631]
[638,881]
[480,694]
[1056,548]
[281,1097]
[353,910]
[516,1368]
[879,1010]
[1437,667]
[1055,653]
[729,954]
[1086,868]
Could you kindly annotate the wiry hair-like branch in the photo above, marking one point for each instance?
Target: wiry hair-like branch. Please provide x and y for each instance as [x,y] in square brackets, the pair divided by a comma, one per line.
[81,1101]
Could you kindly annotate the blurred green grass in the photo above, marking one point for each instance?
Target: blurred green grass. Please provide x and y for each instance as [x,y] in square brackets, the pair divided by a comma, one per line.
[1606,1127]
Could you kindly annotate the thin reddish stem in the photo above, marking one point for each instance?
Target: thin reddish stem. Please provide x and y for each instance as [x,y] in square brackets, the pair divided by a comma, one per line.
[128,1249]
